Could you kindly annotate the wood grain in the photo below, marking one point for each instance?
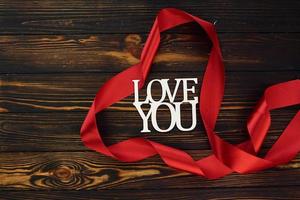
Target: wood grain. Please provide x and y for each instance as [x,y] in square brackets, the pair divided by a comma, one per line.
[75,92]
[110,16]
[187,194]
[113,53]
[37,95]
[90,170]
[60,131]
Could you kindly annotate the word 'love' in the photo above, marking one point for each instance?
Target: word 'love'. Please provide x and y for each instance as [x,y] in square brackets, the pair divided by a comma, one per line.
[173,106]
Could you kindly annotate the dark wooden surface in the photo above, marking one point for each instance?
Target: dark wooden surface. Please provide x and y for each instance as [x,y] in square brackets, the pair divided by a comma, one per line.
[54,55]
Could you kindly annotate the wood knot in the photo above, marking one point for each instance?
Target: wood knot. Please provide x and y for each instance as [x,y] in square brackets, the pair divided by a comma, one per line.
[62,173]
[133,38]
[133,44]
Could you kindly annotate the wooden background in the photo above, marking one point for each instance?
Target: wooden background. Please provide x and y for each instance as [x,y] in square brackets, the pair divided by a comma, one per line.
[54,55]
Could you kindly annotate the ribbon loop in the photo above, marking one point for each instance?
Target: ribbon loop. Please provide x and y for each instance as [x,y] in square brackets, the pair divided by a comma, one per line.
[226,158]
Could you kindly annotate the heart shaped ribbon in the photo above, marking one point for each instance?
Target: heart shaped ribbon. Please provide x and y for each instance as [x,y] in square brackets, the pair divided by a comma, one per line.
[226,158]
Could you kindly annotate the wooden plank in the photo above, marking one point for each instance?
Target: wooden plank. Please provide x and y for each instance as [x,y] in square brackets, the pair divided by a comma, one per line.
[75,92]
[110,16]
[209,194]
[60,131]
[90,170]
[58,93]
[113,53]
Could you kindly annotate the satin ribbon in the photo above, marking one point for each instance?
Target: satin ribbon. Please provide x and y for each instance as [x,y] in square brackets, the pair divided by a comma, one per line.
[226,158]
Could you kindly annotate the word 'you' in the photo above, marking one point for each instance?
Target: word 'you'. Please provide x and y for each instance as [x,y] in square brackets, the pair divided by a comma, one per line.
[173,106]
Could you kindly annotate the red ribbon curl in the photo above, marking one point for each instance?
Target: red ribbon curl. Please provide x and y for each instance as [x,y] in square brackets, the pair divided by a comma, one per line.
[226,158]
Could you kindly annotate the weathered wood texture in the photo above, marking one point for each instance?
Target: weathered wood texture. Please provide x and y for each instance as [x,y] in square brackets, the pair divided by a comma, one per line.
[59,131]
[112,16]
[89,170]
[178,52]
[54,55]
[187,194]
[75,92]
[50,115]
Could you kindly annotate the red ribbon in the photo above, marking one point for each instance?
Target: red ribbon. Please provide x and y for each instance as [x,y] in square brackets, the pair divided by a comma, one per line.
[226,158]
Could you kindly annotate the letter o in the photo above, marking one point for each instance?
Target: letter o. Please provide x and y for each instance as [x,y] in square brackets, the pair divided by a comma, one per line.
[154,119]
[149,94]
